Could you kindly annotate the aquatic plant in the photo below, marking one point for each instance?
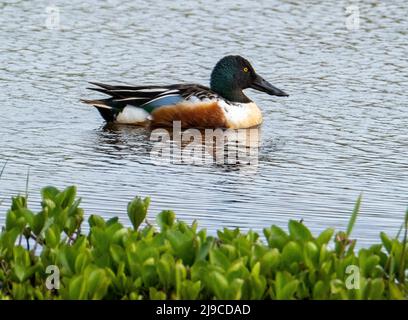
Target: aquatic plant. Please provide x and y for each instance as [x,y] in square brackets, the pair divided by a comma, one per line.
[45,255]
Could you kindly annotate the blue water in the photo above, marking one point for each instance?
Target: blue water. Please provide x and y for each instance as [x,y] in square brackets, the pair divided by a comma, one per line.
[342,131]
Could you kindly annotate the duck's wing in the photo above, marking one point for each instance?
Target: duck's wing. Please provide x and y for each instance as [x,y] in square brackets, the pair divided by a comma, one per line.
[149,97]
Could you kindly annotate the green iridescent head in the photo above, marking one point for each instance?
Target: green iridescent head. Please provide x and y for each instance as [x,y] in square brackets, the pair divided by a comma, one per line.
[232,74]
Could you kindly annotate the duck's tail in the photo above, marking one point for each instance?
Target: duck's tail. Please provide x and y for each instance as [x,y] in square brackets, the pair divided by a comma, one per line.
[101,103]
[104,107]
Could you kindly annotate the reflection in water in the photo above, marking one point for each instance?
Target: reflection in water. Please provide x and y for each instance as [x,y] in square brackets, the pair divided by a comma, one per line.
[224,148]
[119,140]
[206,146]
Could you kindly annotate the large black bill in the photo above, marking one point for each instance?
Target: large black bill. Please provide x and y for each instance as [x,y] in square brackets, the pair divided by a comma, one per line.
[261,84]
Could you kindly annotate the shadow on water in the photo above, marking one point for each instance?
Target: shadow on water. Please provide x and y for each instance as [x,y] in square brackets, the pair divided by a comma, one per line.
[122,141]
[225,149]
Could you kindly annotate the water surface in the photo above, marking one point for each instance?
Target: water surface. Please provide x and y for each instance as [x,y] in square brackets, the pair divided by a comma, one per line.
[342,131]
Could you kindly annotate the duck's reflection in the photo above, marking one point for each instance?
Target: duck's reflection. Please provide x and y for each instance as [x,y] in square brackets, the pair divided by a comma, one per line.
[227,148]
[121,141]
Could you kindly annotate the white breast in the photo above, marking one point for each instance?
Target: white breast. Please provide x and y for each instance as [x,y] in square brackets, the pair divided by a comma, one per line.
[241,115]
[132,115]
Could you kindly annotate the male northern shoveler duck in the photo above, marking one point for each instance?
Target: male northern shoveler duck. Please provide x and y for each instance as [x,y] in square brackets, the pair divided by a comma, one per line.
[223,105]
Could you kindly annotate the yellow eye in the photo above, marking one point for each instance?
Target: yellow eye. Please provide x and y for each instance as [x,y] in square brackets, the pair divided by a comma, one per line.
[245,69]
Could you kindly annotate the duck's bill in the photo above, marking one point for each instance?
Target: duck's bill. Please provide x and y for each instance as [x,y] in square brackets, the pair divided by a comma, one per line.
[261,84]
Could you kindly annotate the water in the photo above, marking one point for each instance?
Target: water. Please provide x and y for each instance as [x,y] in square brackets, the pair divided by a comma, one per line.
[342,131]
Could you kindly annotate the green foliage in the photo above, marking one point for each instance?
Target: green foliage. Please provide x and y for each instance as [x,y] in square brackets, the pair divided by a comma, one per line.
[179,261]
[137,211]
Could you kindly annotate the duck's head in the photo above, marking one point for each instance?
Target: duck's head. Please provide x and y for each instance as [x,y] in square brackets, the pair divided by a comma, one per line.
[232,74]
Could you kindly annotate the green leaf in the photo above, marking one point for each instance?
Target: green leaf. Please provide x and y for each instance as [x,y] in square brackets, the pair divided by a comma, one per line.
[289,290]
[325,236]
[67,197]
[8,239]
[18,203]
[235,289]
[237,269]
[227,235]
[395,292]
[11,220]
[165,270]
[165,219]
[20,272]
[117,253]
[52,236]
[270,261]
[98,284]
[354,215]
[291,253]
[96,221]
[370,265]
[77,288]
[29,216]
[219,259]
[320,290]
[219,284]
[155,294]
[49,193]
[376,289]
[257,285]
[181,274]
[182,245]
[82,261]
[256,269]
[277,238]
[311,254]
[149,274]
[137,211]
[204,249]
[190,290]
[298,231]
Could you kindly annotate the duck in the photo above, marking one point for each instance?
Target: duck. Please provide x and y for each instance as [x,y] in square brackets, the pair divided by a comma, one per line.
[222,105]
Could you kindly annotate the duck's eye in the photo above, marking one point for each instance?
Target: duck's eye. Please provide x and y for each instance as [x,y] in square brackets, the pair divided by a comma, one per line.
[245,69]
